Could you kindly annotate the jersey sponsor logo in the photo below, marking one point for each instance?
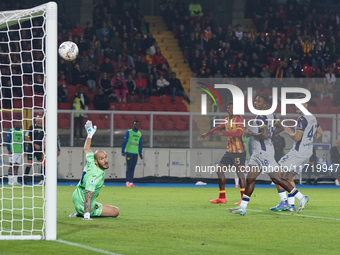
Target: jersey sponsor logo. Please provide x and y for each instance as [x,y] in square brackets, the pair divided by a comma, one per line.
[91,182]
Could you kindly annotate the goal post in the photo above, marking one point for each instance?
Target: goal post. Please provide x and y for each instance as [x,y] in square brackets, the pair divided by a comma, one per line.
[28,84]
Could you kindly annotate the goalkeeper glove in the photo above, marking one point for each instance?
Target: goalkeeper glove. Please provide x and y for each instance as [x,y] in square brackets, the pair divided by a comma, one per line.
[90,129]
[87,216]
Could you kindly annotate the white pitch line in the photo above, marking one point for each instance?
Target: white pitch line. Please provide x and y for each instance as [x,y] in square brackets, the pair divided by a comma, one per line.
[301,215]
[86,247]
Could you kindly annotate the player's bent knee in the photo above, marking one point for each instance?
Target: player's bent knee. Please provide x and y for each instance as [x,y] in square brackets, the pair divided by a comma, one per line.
[109,211]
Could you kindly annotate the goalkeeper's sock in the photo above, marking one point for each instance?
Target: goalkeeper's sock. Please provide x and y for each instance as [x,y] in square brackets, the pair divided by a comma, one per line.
[222,194]
[291,199]
[282,195]
[242,192]
[245,201]
[15,178]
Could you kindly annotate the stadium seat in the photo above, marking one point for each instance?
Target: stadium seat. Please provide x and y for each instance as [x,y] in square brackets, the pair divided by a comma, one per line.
[154,99]
[38,101]
[118,116]
[174,117]
[267,92]
[28,102]
[158,107]
[185,118]
[194,125]
[333,110]
[158,125]
[166,100]
[65,106]
[123,106]
[18,103]
[318,101]
[145,125]
[182,108]
[28,90]
[163,118]
[169,125]
[278,109]
[114,105]
[232,68]
[123,124]
[178,100]
[146,107]
[311,109]
[94,117]
[181,125]
[326,101]
[107,123]
[307,70]
[100,123]
[135,107]
[64,123]
[322,109]
[129,117]
[170,107]
[142,117]
[324,125]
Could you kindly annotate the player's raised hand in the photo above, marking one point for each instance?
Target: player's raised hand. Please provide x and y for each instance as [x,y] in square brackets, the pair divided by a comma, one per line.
[90,129]
[288,131]
[202,136]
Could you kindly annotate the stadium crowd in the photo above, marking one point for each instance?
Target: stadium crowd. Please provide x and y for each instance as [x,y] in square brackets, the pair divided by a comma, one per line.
[119,59]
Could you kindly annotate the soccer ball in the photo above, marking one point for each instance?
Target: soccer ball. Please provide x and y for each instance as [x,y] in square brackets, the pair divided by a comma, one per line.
[68,51]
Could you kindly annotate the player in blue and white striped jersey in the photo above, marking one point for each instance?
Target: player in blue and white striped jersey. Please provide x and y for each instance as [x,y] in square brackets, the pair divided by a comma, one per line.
[263,159]
[306,131]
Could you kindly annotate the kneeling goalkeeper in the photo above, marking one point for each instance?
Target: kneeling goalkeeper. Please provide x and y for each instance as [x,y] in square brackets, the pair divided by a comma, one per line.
[91,182]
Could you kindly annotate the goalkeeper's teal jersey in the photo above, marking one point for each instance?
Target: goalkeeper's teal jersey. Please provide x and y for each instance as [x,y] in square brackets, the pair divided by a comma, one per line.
[91,180]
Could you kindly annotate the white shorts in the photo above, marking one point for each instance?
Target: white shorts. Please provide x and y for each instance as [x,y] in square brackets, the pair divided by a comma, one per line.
[292,163]
[15,158]
[266,162]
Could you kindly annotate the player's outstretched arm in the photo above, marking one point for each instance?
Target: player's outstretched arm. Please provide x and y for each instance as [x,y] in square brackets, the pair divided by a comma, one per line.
[319,133]
[295,136]
[87,204]
[90,132]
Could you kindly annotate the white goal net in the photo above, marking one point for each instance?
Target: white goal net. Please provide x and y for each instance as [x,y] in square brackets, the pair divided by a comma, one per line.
[28,115]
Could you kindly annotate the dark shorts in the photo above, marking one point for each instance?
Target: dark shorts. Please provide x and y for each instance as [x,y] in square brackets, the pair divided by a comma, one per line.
[233,159]
[38,155]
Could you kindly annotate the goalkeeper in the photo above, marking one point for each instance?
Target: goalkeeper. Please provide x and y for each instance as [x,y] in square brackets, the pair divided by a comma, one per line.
[91,182]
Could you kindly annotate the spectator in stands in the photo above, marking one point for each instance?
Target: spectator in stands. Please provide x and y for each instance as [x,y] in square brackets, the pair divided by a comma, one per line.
[90,78]
[105,84]
[150,44]
[142,67]
[142,87]
[93,58]
[265,75]
[131,85]
[103,32]
[84,65]
[78,117]
[317,59]
[239,32]
[89,31]
[331,77]
[62,92]
[84,99]
[195,9]
[125,52]
[296,68]
[78,30]
[177,89]
[323,88]
[100,101]
[159,60]
[38,84]
[119,86]
[152,85]
[163,86]
[335,159]
[115,42]
[107,67]
[78,76]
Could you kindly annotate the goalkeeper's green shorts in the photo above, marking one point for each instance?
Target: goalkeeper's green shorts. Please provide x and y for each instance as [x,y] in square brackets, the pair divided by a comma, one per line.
[96,208]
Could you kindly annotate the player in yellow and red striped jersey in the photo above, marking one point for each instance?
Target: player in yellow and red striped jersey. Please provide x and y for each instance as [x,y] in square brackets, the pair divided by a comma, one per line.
[235,156]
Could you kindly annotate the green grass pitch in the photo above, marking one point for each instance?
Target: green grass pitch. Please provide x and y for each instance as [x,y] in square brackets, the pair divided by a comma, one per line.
[182,221]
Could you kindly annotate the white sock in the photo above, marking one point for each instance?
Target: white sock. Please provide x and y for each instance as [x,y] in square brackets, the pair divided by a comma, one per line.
[15,178]
[297,194]
[282,195]
[291,199]
[244,202]
[127,183]
[10,179]
[236,179]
